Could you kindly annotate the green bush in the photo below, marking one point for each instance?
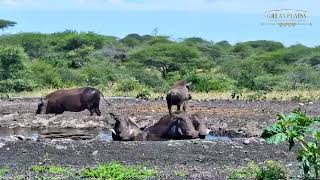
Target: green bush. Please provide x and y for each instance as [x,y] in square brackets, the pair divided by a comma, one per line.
[147,77]
[45,75]
[99,73]
[128,85]
[211,82]
[70,77]
[16,85]
[13,62]
[267,82]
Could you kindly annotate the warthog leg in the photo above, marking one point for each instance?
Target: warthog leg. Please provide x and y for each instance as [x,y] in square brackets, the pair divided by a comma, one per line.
[184,107]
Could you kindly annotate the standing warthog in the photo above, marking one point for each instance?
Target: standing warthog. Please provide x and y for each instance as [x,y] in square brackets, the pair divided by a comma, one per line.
[74,100]
[124,129]
[179,95]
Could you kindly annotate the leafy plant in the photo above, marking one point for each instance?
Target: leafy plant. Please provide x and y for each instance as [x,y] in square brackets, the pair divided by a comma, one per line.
[296,126]
[117,171]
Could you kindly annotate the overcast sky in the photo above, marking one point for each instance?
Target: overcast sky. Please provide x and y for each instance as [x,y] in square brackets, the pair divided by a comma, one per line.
[216,20]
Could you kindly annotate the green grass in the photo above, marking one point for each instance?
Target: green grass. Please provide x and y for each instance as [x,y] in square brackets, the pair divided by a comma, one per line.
[182,173]
[271,170]
[290,95]
[3,171]
[50,169]
[117,171]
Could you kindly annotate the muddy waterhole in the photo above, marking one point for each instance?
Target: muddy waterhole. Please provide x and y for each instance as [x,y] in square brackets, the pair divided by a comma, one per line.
[71,133]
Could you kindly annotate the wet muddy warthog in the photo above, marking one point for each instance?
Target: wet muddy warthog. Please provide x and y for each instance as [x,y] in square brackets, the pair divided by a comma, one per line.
[74,100]
[179,96]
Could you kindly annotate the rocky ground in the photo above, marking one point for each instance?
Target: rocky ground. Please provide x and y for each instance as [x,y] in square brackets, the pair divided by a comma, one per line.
[243,121]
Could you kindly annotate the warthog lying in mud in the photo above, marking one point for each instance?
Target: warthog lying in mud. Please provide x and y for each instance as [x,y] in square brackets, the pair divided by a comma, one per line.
[124,129]
[177,126]
[200,125]
[74,100]
[179,95]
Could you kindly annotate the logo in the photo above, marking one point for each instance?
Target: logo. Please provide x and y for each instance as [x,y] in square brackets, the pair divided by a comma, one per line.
[287,18]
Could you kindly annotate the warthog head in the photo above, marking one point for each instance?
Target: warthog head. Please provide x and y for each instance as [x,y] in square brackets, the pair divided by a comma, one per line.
[42,107]
[183,128]
[201,127]
[124,129]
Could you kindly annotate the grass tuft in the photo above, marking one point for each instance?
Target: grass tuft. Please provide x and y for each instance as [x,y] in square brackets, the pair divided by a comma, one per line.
[50,169]
[117,171]
[3,171]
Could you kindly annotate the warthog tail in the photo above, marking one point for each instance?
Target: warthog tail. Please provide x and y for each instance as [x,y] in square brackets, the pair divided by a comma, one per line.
[104,98]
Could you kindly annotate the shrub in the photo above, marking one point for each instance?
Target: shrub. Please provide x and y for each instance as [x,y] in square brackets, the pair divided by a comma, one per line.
[129,85]
[16,85]
[211,82]
[266,82]
[143,94]
[99,73]
[70,77]
[12,62]
[45,75]
[148,78]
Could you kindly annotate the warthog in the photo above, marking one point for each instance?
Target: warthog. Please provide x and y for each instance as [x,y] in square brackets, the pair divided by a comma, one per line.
[200,125]
[179,95]
[74,100]
[124,129]
[177,126]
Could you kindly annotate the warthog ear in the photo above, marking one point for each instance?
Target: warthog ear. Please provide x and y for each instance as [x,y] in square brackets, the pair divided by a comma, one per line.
[188,85]
[114,116]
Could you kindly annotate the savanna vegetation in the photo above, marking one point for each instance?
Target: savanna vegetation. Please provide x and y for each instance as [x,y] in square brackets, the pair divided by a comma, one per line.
[146,64]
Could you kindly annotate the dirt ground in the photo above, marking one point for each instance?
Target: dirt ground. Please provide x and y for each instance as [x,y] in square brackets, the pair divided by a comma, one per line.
[240,120]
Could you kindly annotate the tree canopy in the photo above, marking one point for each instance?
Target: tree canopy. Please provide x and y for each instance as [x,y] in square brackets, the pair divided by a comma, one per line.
[153,62]
[6,23]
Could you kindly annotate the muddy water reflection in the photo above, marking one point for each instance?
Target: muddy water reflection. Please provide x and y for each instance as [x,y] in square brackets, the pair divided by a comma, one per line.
[56,133]
[72,133]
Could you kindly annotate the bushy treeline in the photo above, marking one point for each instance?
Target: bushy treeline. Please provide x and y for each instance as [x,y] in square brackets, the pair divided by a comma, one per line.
[30,61]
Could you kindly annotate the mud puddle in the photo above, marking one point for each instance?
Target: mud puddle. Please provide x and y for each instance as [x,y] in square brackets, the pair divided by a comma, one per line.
[55,133]
[72,133]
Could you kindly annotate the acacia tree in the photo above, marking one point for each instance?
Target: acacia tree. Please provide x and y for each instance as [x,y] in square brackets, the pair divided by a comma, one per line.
[6,24]
[165,57]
